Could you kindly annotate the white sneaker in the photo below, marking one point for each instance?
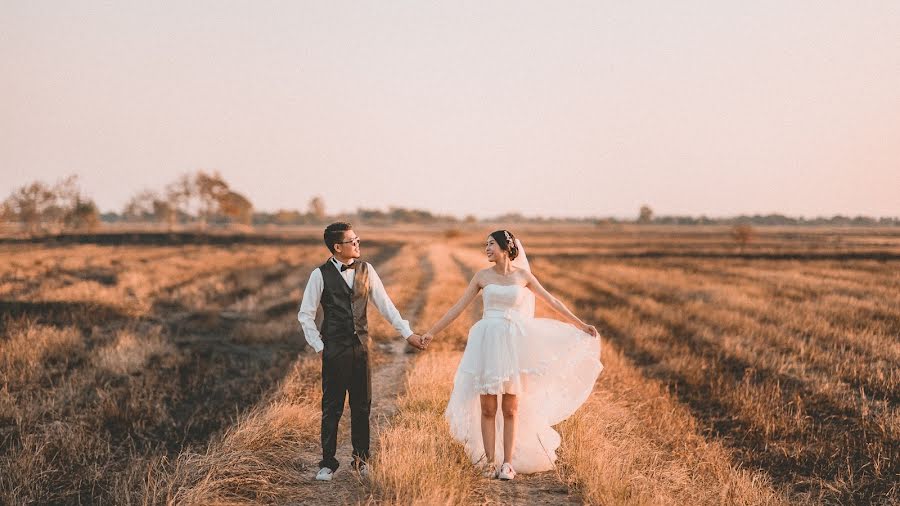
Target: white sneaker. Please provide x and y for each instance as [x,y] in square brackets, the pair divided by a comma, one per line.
[325,474]
[363,470]
[506,472]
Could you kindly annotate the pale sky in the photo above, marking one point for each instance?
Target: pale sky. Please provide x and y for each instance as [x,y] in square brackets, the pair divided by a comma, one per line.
[545,108]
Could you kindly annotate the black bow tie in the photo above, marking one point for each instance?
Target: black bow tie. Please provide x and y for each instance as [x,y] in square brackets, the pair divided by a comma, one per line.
[344,267]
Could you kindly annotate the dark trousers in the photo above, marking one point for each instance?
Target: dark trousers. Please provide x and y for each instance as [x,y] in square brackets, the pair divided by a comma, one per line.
[345,369]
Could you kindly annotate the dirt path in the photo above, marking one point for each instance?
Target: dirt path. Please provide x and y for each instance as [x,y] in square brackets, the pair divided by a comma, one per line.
[543,489]
[387,385]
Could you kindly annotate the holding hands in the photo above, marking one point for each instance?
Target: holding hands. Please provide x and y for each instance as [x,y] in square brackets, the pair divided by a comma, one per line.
[417,341]
[420,341]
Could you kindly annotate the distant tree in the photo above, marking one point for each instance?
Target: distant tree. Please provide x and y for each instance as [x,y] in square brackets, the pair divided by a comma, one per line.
[6,212]
[742,234]
[288,217]
[142,206]
[68,197]
[511,218]
[76,211]
[236,207]
[82,215]
[210,191]
[646,214]
[67,192]
[317,208]
[372,216]
[163,212]
[470,219]
[39,206]
[177,198]
[29,204]
[404,215]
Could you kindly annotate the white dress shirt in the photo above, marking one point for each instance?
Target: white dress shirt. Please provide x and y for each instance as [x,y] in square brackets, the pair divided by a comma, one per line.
[313,295]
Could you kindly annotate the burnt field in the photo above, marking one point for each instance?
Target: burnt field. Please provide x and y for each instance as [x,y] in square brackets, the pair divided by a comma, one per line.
[769,369]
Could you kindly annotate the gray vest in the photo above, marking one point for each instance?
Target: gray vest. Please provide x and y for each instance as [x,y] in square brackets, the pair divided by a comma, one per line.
[344,309]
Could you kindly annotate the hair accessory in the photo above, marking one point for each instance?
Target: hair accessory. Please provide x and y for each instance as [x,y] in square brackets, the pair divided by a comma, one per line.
[509,241]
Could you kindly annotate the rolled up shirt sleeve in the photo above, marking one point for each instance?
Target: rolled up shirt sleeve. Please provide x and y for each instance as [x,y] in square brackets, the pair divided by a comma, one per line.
[381,300]
[312,295]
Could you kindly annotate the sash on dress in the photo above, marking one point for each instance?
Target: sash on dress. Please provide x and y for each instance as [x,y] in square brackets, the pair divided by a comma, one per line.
[512,315]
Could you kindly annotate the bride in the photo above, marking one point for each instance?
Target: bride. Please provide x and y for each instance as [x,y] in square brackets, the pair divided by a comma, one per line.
[541,369]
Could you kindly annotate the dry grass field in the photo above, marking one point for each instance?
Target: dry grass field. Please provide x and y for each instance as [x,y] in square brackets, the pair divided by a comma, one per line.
[156,372]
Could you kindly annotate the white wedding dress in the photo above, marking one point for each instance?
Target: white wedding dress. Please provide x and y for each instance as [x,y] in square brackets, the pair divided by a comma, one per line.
[550,365]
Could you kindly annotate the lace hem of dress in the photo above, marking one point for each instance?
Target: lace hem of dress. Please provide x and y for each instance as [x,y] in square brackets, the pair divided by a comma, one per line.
[493,384]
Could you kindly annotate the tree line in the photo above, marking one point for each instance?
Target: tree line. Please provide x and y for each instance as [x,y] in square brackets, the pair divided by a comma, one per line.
[646,216]
[202,199]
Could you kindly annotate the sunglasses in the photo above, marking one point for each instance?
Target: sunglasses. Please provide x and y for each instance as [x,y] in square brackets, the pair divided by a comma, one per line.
[354,241]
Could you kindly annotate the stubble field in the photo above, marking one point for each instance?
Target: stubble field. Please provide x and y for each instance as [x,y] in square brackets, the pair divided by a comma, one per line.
[169,371]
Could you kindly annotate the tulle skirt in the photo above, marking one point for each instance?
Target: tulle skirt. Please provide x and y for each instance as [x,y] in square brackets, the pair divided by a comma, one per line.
[550,365]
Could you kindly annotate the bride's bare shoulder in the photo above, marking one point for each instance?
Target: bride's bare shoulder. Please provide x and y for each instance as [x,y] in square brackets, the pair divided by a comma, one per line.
[527,276]
[482,276]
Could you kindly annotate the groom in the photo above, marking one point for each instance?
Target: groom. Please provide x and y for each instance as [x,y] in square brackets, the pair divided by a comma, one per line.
[343,287]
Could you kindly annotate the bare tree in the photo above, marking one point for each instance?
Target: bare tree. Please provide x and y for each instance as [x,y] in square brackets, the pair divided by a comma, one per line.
[141,207]
[178,197]
[67,192]
[163,212]
[6,212]
[210,190]
[39,206]
[646,214]
[82,215]
[317,208]
[29,205]
[73,210]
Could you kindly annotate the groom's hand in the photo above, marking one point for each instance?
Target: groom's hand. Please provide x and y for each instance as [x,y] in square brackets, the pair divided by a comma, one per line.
[415,340]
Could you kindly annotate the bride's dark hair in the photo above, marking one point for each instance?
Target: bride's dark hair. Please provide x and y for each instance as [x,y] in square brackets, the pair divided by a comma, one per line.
[507,241]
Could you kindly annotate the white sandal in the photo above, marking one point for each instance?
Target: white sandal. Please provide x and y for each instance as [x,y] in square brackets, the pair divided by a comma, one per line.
[506,472]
